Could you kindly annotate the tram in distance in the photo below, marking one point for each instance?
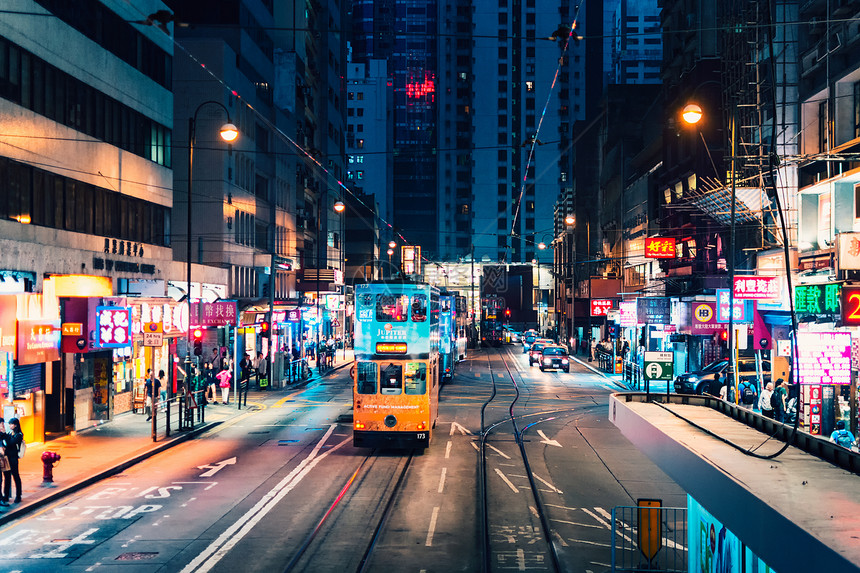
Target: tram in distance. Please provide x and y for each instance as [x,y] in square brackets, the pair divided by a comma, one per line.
[461,326]
[397,377]
[492,317]
[450,335]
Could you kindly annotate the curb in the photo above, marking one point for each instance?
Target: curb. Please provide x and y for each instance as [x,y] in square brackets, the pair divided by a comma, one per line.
[119,468]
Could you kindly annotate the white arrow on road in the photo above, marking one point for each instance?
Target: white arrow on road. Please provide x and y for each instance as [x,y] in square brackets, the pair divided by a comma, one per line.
[457,427]
[546,440]
[215,468]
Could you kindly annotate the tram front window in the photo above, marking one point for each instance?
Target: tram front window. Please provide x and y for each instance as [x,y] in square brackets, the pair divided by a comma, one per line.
[392,379]
[419,308]
[366,378]
[415,379]
[392,308]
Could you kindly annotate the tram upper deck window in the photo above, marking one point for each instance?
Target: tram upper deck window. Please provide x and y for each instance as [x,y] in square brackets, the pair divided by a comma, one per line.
[392,308]
[415,378]
[419,308]
[445,304]
[392,379]
[365,381]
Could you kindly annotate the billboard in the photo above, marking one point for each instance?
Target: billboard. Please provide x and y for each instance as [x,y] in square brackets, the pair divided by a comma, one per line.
[824,357]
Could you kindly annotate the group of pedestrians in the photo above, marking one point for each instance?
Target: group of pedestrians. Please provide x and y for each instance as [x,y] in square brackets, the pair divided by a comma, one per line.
[773,402]
[11,444]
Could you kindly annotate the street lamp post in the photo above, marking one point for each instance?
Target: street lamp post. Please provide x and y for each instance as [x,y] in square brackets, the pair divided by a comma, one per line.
[229,133]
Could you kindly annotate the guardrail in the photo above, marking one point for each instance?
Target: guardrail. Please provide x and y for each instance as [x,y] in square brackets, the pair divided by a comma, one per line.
[817,446]
[649,539]
[176,414]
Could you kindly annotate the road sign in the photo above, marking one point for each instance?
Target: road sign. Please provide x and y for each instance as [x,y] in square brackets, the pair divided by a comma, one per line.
[153,334]
[659,365]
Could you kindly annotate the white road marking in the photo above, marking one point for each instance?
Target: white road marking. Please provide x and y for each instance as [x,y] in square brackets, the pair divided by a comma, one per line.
[459,428]
[560,539]
[603,512]
[507,481]
[590,542]
[534,511]
[500,452]
[442,480]
[561,506]
[187,502]
[474,445]
[576,523]
[61,547]
[432,528]
[601,564]
[546,483]
[521,559]
[216,551]
[547,441]
[207,488]
[216,467]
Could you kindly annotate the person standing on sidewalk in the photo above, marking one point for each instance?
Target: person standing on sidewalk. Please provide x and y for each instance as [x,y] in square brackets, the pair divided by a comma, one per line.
[14,439]
[262,371]
[152,389]
[5,475]
[224,378]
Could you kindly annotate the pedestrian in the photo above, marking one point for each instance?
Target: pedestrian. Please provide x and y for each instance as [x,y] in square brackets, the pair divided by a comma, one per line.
[777,400]
[215,359]
[764,401]
[12,445]
[262,370]
[593,349]
[152,389]
[224,378]
[162,382]
[5,467]
[723,386]
[841,436]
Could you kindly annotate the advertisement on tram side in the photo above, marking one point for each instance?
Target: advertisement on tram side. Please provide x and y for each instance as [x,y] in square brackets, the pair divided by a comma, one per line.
[712,548]
[395,322]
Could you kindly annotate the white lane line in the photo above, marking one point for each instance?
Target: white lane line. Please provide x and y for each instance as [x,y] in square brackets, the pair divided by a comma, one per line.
[442,480]
[560,538]
[500,452]
[448,449]
[561,507]
[597,518]
[210,557]
[590,542]
[507,481]
[474,445]
[521,559]
[432,527]
[601,564]
[534,511]
[603,512]
[546,483]
[576,523]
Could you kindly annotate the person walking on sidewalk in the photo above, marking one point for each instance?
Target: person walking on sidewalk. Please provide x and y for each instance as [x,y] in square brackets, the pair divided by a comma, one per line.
[12,445]
[5,475]
[764,401]
[224,378]
[262,371]
[162,383]
[152,390]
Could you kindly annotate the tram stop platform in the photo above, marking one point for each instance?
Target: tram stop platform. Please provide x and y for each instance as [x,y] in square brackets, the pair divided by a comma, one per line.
[799,511]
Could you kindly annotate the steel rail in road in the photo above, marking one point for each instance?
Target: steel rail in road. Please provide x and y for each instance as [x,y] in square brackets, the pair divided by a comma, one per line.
[386,511]
[485,430]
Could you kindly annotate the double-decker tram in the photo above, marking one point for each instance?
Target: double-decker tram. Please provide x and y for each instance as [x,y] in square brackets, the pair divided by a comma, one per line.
[461,325]
[396,384]
[447,335]
[492,316]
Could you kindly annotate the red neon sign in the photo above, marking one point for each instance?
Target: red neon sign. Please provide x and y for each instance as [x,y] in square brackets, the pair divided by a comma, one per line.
[600,307]
[660,248]
[425,88]
[756,288]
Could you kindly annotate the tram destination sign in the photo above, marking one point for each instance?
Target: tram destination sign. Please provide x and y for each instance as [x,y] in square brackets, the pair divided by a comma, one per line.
[391,348]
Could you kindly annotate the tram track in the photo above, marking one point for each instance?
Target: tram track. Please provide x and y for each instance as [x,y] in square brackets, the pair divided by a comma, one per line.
[538,509]
[348,508]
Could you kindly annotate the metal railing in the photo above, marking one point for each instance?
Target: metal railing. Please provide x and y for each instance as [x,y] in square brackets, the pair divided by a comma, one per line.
[296,370]
[649,539]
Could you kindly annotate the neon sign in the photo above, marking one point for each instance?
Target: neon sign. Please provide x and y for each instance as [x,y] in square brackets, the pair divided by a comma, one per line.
[660,248]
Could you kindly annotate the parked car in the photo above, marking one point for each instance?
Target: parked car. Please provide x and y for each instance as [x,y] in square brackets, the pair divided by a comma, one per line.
[704,381]
[536,348]
[554,357]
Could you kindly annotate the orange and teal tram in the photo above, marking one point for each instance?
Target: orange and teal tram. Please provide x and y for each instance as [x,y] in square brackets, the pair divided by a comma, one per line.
[397,377]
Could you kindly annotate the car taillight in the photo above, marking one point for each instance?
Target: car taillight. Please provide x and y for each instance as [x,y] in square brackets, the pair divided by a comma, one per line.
[359,425]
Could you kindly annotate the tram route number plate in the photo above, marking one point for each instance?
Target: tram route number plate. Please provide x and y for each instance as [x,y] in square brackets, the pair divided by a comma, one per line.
[659,365]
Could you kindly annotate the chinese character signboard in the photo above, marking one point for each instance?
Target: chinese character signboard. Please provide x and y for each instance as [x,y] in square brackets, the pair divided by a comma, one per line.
[600,306]
[659,365]
[627,313]
[8,322]
[757,288]
[220,313]
[848,251]
[113,326]
[38,341]
[704,319]
[824,357]
[851,306]
[294,315]
[741,309]
[653,310]
[818,301]
[660,248]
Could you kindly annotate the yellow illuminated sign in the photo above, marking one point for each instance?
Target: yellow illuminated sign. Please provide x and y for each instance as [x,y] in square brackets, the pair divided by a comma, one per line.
[391,348]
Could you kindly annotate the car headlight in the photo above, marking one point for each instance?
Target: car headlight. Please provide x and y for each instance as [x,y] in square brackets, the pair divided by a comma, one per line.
[547,361]
[564,360]
[693,379]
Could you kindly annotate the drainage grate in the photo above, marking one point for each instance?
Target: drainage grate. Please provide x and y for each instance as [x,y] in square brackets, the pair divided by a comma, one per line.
[137,556]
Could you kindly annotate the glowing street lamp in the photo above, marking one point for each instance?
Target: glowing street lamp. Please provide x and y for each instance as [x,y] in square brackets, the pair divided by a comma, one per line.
[339,206]
[569,220]
[692,113]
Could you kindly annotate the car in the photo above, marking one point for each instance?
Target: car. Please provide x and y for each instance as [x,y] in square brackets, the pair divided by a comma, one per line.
[554,357]
[529,339]
[704,381]
[535,350]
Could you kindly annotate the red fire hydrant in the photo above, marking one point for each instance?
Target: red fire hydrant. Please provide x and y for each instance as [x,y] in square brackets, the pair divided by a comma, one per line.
[48,460]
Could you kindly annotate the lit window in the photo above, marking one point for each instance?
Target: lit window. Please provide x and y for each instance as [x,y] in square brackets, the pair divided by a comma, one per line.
[530,86]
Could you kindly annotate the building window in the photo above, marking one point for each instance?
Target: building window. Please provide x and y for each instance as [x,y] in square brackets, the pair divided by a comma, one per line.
[856,109]
[823,140]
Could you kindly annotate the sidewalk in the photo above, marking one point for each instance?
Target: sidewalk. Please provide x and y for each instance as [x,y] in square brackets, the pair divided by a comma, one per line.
[96,453]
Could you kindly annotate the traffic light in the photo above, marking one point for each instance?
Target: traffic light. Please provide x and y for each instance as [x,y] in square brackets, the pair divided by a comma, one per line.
[264,327]
[198,342]
[723,338]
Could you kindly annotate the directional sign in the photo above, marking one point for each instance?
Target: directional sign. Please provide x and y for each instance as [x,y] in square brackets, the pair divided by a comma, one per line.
[215,468]
[659,365]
